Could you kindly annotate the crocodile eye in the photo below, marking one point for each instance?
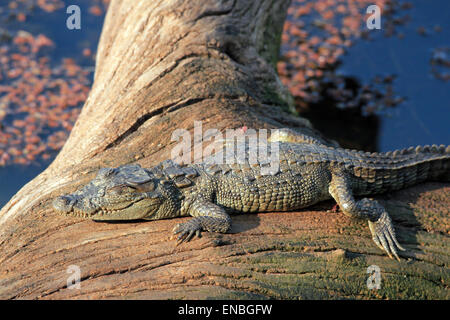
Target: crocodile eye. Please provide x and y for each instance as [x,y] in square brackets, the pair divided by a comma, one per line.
[122,189]
[144,187]
[136,181]
[105,172]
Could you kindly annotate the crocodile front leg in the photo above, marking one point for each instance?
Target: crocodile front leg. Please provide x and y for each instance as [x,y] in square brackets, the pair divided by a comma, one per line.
[207,216]
[380,223]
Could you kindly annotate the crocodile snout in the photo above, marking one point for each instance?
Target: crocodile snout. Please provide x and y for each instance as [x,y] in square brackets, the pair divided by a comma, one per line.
[63,204]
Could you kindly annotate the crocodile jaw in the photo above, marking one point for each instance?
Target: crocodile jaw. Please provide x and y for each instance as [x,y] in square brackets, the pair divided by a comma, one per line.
[125,210]
[128,192]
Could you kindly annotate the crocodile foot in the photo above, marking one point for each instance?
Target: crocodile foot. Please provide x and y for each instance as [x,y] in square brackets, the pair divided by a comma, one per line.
[187,230]
[383,235]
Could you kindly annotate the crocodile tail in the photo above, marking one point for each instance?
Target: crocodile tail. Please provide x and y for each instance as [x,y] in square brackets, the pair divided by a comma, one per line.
[399,169]
[442,173]
[426,163]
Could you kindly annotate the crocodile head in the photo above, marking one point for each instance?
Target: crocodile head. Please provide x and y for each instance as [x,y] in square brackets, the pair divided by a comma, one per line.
[128,192]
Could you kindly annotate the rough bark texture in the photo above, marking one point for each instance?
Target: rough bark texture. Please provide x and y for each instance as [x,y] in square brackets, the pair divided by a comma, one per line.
[160,66]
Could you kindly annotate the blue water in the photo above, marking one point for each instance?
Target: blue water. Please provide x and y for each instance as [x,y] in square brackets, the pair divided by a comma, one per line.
[423,118]
[14,177]
[68,44]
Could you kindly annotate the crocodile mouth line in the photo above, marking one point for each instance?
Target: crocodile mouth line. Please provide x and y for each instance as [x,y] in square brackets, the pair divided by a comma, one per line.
[98,212]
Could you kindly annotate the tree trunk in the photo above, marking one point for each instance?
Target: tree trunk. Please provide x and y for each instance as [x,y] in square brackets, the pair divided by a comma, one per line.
[161,65]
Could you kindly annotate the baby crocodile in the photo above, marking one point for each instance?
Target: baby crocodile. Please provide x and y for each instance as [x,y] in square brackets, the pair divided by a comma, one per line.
[307,173]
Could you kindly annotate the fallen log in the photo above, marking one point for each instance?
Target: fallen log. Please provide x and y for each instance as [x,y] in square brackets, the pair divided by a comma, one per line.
[162,66]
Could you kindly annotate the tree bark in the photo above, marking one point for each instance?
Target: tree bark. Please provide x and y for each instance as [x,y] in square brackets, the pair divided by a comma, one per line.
[161,65]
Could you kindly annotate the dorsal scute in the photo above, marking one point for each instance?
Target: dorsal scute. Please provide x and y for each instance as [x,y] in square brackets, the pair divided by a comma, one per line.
[169,171]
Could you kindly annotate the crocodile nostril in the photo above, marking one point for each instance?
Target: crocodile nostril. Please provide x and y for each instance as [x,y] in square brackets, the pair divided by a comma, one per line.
[63,203]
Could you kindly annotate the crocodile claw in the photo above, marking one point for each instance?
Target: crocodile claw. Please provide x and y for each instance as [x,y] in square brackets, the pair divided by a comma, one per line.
[383,235]
[186,231]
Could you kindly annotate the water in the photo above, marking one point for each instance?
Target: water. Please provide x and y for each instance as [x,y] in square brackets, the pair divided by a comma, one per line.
[14,177]
[68,44]
[423,118]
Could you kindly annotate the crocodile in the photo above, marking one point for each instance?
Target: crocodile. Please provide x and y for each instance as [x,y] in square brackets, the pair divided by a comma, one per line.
[308,171]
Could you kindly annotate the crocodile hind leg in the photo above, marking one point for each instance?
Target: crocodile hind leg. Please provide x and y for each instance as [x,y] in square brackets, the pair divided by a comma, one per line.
[380,223]
[207,216]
